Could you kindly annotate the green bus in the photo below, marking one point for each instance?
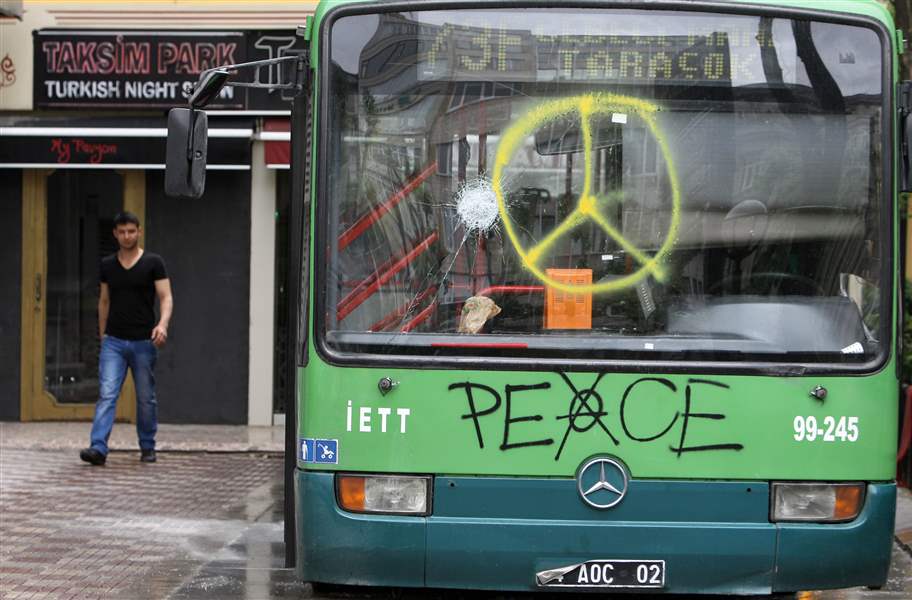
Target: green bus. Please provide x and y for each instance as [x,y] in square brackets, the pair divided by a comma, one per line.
[594,294]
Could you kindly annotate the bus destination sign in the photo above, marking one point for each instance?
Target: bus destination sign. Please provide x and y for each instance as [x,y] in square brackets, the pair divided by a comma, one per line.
[463,53]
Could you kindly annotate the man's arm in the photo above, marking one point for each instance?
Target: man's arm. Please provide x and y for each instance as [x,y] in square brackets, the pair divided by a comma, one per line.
[166,304]
[104,305]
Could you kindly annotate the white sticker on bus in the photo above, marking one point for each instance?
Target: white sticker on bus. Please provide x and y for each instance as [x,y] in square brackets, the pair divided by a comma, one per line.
[368,423]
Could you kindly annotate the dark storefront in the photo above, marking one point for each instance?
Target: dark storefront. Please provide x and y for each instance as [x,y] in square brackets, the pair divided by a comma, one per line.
[96,146]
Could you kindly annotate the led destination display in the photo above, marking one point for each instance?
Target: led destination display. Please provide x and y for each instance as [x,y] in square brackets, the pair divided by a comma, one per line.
[450,51]
[462,53]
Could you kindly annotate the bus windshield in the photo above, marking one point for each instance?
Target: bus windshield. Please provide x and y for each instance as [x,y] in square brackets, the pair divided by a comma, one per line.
[620,184]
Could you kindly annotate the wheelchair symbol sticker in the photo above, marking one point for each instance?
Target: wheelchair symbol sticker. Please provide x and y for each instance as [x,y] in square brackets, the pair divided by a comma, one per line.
[326,452]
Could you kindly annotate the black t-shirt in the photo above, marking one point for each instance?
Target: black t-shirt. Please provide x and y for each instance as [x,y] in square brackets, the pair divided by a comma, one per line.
[132,292]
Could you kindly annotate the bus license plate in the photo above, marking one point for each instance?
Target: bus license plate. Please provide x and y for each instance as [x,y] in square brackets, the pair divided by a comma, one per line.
[606,574]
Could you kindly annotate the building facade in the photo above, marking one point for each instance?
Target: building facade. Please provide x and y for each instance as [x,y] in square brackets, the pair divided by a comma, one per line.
[84,94]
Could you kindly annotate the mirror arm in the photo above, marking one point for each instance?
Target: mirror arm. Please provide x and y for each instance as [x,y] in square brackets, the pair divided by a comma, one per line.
[301,60]
[255,63]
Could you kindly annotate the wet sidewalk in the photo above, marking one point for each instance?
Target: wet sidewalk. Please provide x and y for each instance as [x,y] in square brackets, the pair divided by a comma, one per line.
[205,521]
[192,525]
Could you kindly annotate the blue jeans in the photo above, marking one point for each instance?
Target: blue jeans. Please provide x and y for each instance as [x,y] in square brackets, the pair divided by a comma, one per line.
[116,355]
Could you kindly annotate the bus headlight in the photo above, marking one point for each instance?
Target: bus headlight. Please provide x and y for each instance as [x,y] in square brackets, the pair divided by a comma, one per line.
[384,494]
[821,502]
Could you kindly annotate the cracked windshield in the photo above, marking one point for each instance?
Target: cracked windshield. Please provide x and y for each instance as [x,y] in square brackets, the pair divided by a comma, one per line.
[606,184]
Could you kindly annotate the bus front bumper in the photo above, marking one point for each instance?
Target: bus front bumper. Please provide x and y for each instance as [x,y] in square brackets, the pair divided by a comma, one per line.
[497,533]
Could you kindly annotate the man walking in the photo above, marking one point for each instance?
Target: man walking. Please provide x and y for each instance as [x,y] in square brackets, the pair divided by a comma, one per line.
[130,337]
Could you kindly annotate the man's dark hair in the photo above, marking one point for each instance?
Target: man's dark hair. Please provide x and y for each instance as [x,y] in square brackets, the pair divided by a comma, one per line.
[125,217]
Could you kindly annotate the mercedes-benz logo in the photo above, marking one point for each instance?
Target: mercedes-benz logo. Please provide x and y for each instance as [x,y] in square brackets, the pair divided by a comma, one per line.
[602,482]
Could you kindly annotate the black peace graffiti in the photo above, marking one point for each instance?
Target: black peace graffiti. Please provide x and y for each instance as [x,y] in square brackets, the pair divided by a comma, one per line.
[588,409]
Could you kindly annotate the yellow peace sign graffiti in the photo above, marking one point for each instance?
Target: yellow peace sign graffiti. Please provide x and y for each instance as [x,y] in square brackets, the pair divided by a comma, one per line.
[585,107]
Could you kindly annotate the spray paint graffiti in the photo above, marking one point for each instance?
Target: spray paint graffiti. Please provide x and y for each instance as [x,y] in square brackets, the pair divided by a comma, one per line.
[587,207]
[527,422]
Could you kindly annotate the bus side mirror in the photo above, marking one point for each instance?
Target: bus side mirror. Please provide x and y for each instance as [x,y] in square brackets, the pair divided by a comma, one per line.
[185,154]
[185,164]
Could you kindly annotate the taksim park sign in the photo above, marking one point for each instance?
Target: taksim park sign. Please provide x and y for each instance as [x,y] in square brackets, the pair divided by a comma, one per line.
[151,69]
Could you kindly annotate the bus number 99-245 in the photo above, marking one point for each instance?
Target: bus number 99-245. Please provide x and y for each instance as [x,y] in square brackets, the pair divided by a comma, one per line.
[833,429]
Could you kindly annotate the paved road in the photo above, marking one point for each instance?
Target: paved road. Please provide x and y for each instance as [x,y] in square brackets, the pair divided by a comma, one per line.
[192,526]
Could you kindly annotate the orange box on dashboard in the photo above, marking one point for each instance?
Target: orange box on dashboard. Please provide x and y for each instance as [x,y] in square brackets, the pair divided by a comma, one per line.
[568,310]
